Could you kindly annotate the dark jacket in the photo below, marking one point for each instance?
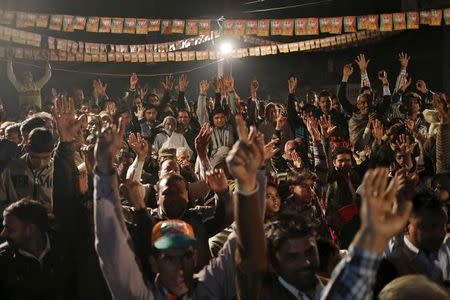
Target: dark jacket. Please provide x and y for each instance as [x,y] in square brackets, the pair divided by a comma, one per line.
[23,277]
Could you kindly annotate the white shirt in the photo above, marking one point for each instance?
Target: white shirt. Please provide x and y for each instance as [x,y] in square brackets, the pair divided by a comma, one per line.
[299,294]
[42,255]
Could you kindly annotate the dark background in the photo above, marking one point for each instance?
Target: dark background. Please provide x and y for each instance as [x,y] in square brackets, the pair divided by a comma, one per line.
[428,46]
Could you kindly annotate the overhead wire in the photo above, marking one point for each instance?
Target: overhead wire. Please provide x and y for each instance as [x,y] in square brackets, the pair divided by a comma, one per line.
[118,75]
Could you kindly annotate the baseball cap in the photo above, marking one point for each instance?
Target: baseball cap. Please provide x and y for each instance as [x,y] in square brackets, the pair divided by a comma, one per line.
[172,234]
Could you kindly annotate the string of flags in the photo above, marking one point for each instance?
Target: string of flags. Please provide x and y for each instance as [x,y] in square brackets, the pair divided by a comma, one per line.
[236,27]
[342,40]
[36,40]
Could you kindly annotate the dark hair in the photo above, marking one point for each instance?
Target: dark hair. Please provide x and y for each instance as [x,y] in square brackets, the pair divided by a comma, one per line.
[30,212]
[283,227]
[150,106]
[326,249]
[31,123]
[339,151]
[13,128]
[424,200]
[40,140]
[365,88]
[172,177]
[407,101]
[294,178]
[324,93]
[184,110]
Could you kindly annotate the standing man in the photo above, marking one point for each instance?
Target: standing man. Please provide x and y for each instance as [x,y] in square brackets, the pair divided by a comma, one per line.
[28,89]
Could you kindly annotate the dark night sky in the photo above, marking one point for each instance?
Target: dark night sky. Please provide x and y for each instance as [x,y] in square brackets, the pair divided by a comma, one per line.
[429,47]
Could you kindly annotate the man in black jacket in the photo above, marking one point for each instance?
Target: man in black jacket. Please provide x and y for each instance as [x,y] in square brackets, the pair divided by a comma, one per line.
[36,262]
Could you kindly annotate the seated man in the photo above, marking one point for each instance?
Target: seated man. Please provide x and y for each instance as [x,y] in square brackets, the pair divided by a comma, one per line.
[168,138]
[36,262]
[32,174]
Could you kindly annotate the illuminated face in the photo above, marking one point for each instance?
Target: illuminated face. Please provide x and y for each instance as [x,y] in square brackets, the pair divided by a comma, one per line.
[40,161]
[15,231]
[219,120]
[297,262]
[175,268]
[303,191]
[343,162]
[170,125]
[183,118]
[273,200]
[362,105]
[325,104]
[173,197]
[150,115]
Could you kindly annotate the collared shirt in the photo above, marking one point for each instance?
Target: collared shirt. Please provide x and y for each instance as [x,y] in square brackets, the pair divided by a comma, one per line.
[410,245]
[42,255]
[299,294]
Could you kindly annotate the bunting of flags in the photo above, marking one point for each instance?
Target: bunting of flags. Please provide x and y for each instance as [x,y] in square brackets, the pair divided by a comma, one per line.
[34,39]
[235,27]
[266,48]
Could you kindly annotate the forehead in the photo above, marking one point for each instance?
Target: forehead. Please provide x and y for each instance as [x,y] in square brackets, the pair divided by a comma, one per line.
[219,115]
[298,245]
[40,155]
[183,114]
[343,156]
[165,184]
[11,220]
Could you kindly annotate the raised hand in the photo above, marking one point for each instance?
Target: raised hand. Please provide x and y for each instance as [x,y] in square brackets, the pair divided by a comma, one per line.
[246,156]
[281,119]
[143,91]
[203,86]
[382,75]
[254,88]
[140,112]
[99,87]
[382,215]
[217,83]
[111,108]
[362,63]
[313,128]
[109,142]
[404,144]
[377,131]
[202,141]
[64,113]
[217,181]
[347,72]
[372,117]
[421,86]
[292,84]
[182,83]
[133,81]
[403,58]
[326,127]
[139,145]
[270,149]
[296,159]
[228,82]
[167,84]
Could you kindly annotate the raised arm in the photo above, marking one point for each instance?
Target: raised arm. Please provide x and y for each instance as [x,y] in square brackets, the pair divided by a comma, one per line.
[182,86]
[202,112]
[117,259]
[402,76]
[342,93]
[442,138]
[47,75]
[245,158]
[382,217]
[12,76]
[363,63]
[66,188]
[292,115]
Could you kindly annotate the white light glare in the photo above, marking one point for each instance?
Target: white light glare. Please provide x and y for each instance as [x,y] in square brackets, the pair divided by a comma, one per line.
[226,48]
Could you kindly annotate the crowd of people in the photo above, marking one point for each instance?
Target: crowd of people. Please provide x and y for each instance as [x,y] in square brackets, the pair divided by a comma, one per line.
[143,196]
